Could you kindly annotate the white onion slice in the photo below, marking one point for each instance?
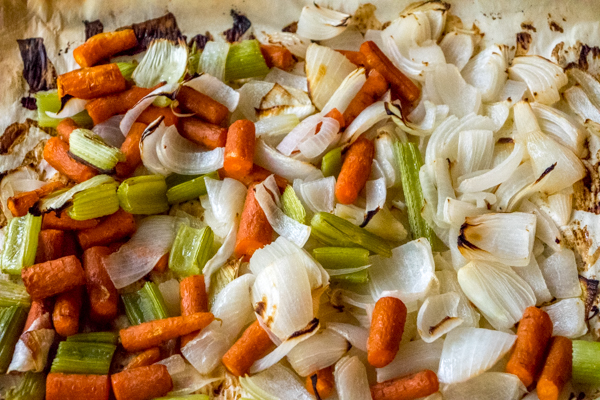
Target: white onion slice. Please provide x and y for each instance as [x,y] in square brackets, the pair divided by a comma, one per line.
[346,271]
[273,129]
[72,107]
[284,78]
[318,195]
[457,48]
[215,89]
[568,318]
[376,194]
[412,357]
[546,230]
[371,115]
[510,188]
[438,315]
[561,127]
[170,293]
[345,93]
[487,72]
[475,149]
[532,274]
[493,385]
[448,280]
[445,85]
[327,137]
[296,44]
[284,100]
[384,154]
[31,351]
[214,58]
[57,201]
[164,61]
[224,204]
[351,380]
[542,76]
[286,167]
[110,131]
[301,132]
[560,273]
[277,382]
[151,139]
[356,335]
[319,23]
[132,115]
[318,352]
[221,257]
[581,104]
[185,378]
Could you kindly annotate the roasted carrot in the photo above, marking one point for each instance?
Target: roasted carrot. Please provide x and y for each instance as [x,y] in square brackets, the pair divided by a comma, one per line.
[239,148]
[153,333]
[356,169]
[56,153]
[53,277]
[20,204]
[203,106]
[152,113]
[113,228]
[62,221]
[356,57]
[254,232]
[162,264]
[208,135]
[400,83]
[115,246]
[50,245]
[256,175]
[387,326]
[557,369]
[89,83]
[325,382]
[142,383]
[66,312]
[104,45]
[37,310]
[145,358]
[76,387]
[194,299]
[277,56]
[253,344]
[411,387]
[103,108]
[64,129]
[131,149]
[103,296]
[70,246]
[371,91]
[335,114]
[533,335]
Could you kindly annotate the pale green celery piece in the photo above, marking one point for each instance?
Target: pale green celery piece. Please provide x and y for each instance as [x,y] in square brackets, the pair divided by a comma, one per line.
[95,337]
[162,101]
[83,358]
[146,194]
[58,199]
[224,275]
[586,362]
[331,165]
[127,69]
[194,60]
[147,304]
[13,294]
[95,202]
[31,387]
[214,58]
[292,207]
[20,244]
[355,277]
[185,190]
[91,148]
[12,321]
[49,101]
[245,60]
[341,257]
[190,250]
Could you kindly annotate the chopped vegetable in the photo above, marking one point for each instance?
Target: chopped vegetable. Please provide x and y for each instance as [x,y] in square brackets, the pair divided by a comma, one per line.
[344,258]
[355,171]
[239,149]
[322,381]
[277,56]
[104,45]
[412,387]
[144,195]
[253,344]
[557,368]
[20,203]
[189,189]
[83,358]
[50,245]
[53,277]
[387,327]
[113,228]
[245,60]
[90,147]
[89,83]
[13,294]
[20,245]
[193,299]
[213,59]
[331,165]
[585,362]
[147,304]
[76,387]
[95,202]
[50,102]
[142,383]
[12,320]
[31,387]
[202,105]
[145,358]
[65,316]
[95,337]
[56,153]
[292,206]
[191,250]
[255,231]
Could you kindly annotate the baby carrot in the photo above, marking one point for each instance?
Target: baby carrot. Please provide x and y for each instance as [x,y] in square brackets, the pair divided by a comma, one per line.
[152,113]
[387,326]
[239,148]
[533,334]
[104,298]
[557,369]
[66,312]
[153,333]
[50,245]
[208,135]
[356,169]
[145,358]
[70,247]
[131,149]
[277,56]
[371,91]
[254,232]
[103,108]
[76,387]
[89,83]
[356,57]
[162,264]
[335,114]
[325,382]
[37,310]
[203,106]
[411,387]
[113,228]
[20,203]
[56,153]
[142,383]
[62,221]
[64,129]
[253,344]
[194,299]
[256,175]
[53,277]
[104,45]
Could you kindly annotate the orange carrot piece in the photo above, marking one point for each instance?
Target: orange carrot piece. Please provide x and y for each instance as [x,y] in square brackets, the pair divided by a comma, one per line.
[131,149]
[70,247]
[153,333]
[194,298]
[64,129]
[66,312]
[277,56]
[256,175]
[115,246]
[56,153]
[53,277]
[76,387]
[89,83]
[113,228]
[103,296]
[152,113]
[50,245]
[104,45]
[387,326]
[411,387]
[37,310]
[533,335]
[208,135]
[142,383]
[399,82]
[239,148]
[356,57]
[325,382]
[335,114]
[62,221]
[369,93]
[356,169]
[557,369]
[145,358]
[162,264]
[103,108]
[254,232]
[253,345]
[20,204]
[202,105]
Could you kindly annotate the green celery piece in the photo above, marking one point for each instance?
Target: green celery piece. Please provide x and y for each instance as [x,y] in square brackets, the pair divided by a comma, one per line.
[13,294]
[190,250]
[145,194]
[245,60]
[341,257]
[194,60]
[31,387]
[586,362]
[20,244]
[176,179]
[213,59]
[331,165]
[83,358]
[12,321]
[292,207]
[95,337]
[127,69]
[147,304]
[190,189]
[92,149]
[95,202]
[49,101]
[355,277]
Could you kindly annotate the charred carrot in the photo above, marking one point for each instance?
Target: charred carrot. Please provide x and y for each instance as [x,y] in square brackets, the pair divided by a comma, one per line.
[89,83]
[356,169]
[76,387]
[533,334]
[113,228]
[152,113]
[411,387]
[277,56]
[239,148]
[335,114]
[356,57]
[65,127]
[50,245]
[103,296]
[371,91]
[37,310]
[401,85]
[254,232]
[20,204]
[142,383]
[153,333]
[253,344]
[131,149]
[104,45]
[256,175]
[56,153]
[203,106]
[162,264]
[208,135]
[103,108]
[65,316]
[62,221]
[145,358]
[557,368]
[53,277]
[325,383]
[387,326]
[192,291]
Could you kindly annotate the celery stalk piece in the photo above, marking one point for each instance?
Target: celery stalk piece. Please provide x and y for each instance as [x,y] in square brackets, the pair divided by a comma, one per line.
[355,277]
[292,207]
[32,386]
[59,198]
[83,358]
[190,250]
[336,231]
[341,257]
[92,149]
[13,294]
[145,194]
[95,337]
[185,397]
[190,189]
[127,69]
[147,304]
[20,244]
[49,101]
[193,66]
[586,362]
[245,61]
[176,179]
[12,321]
[95,202]
[331,165]
[214,58]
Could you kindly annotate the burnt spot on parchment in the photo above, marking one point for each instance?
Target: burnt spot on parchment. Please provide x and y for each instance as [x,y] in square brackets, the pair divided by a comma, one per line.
[582,56]
[38,71]
[29,103]
[13,135]
[523,43]
[554,27]
[164,27]
[528,26]
[200,40]
[241,24]
[92,28]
